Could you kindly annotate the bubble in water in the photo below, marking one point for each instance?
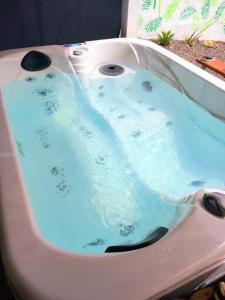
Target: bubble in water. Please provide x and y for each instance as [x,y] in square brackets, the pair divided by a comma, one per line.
[98,242]
[50,76]
[121,116]
[56,171]
[101,94]
[50,107]
[169,123]
[41,134]
[63,188]
[147,86]
[100,160]
[43,92]
[20,148]
[86,132]
[136,133]
[126,229]
[30,79]
[127,89]
[197,183]
[150,108]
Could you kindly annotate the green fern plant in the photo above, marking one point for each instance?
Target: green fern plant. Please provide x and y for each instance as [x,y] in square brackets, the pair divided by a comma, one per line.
[171,9]
[153,25]
[220,12]
[205,9]
[187,12]
[165,37]
[146,4]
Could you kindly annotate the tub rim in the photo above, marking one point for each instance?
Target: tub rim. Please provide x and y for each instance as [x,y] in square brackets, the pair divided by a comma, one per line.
[40,265]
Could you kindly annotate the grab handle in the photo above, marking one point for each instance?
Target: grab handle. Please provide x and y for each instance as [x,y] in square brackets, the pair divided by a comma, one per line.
[149,240]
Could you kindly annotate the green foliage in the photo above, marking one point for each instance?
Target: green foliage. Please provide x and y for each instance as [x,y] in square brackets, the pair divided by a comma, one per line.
[153,25]
[190,39]
[214,3]
[165,37]
[159,8]
[187,12]
[171,9]
[195,21]
[220,11]
[205,9]
[146,4]
[200,19]
[140,21]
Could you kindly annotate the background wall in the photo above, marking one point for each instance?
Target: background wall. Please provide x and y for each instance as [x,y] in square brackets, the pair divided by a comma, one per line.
[182,17]
[25,23]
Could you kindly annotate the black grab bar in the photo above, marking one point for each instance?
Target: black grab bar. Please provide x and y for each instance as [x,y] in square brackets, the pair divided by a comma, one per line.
[149,240]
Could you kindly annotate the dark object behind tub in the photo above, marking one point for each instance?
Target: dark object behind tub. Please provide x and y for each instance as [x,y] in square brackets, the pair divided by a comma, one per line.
[40,22]
[149,240]
[35,61]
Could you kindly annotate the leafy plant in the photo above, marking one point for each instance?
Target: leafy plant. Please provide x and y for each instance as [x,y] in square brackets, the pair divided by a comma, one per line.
[159,8]
[153,25]
[140,21]
[171,9]
[146,4]
[165,37]
[190,39]
[195,20]
[187,12]
[220,11]
[214,3]
[205,9]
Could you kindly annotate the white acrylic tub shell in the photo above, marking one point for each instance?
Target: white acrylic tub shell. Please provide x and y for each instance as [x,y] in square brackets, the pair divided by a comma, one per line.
[38,270]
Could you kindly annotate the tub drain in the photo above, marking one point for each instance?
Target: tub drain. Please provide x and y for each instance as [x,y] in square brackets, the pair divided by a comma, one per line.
[111,70]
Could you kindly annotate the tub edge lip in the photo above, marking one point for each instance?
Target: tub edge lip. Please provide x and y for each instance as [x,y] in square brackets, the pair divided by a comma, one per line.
[9,251]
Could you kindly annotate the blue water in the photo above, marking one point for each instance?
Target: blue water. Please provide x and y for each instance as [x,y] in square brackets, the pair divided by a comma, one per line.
[107,161]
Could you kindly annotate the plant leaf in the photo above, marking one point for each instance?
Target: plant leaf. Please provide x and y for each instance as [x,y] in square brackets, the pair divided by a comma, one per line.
[171,9]
[214,3]
[146,4]
[153,25]
[187,12]
[205,9]
[140,21]
[220,11]
[195,21]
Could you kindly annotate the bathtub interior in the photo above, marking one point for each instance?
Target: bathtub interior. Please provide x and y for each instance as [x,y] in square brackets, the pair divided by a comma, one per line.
[110,128]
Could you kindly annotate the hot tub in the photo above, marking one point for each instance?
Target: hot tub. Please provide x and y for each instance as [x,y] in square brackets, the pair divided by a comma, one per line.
[112,172]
